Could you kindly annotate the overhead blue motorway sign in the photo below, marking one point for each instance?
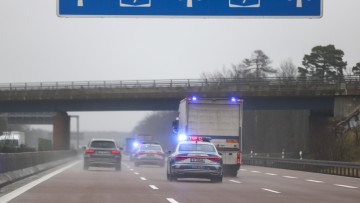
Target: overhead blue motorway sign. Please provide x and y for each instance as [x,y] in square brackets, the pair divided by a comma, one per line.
[190,8]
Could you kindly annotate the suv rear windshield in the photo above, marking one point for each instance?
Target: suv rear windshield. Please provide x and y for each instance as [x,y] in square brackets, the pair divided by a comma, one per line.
[196,147]
[102,144]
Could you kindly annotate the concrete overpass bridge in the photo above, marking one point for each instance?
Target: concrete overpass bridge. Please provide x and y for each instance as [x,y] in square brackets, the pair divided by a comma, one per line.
[334,98]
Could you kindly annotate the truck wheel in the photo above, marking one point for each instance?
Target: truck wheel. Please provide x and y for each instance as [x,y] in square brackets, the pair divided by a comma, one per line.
[233,173]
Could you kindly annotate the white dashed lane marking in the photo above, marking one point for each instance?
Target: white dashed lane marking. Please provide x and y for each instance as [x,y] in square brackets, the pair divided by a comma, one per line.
[291,177]
[136,173]
[171,200]
[243,169]
[271,174]
[273,191]
[314,181]
[234,181]
[153,187]
[256,171]
[346,186]
[142,178]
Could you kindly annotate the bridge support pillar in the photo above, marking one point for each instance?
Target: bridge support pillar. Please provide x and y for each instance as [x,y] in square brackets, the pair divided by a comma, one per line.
[61,131]
[345,105]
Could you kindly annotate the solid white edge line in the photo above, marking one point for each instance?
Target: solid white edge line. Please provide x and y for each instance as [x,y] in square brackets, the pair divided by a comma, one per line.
[153,187]
[346,186]
[171,200]
[142,178]
[234,181]
[271,174]
[314,181]
[291,177]
[273,191]
[34,183]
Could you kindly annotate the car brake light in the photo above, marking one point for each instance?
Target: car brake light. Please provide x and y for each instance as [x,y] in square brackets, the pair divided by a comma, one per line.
[90,151]
[215,158]
[180,158]
[115,152]
[238,160]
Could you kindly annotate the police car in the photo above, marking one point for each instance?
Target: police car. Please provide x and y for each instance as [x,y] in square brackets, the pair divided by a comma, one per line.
[195,158]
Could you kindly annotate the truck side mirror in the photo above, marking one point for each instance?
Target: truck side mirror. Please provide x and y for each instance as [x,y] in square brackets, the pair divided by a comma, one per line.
[175,126]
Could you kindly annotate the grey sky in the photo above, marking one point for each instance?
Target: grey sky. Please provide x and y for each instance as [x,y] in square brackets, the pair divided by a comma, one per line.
[36,45]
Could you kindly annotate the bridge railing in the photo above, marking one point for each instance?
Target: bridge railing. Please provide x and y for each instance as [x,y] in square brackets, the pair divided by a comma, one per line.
[269,81]
[317,166]
[17,161]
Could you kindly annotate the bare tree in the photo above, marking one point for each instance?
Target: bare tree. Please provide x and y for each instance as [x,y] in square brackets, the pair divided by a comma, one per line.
[287,69]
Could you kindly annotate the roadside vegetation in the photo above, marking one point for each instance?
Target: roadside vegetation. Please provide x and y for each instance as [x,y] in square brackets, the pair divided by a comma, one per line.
[291,131]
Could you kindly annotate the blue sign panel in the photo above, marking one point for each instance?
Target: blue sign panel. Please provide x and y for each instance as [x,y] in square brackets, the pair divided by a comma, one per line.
[192,8]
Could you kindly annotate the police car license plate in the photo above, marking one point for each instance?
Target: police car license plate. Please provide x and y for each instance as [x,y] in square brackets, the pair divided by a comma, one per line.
[197,160]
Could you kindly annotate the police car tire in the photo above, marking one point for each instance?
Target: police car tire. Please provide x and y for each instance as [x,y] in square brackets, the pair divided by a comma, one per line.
[171,177]
[216,179]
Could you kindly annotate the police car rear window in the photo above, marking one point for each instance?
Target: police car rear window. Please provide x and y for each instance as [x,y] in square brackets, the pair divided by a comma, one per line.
[150,147]
[196,147]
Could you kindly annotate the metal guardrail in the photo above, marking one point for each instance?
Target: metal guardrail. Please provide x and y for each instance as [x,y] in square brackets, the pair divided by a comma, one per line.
[17,161]
[269,81]
[317,166]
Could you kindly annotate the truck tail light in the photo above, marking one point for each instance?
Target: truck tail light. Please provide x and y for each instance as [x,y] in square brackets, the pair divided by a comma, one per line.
[238,159]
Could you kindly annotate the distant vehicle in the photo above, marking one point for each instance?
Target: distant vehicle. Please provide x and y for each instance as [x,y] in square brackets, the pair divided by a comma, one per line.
[195,159]
[149,154]
[15,139]
[219,119]
[102,153]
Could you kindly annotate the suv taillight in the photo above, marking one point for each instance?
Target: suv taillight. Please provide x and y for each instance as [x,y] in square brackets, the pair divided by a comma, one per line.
[90,151]
[238,160]
[115,152]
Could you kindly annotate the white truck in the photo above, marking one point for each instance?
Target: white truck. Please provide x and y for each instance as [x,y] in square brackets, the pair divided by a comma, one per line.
[14,139]
[219,119]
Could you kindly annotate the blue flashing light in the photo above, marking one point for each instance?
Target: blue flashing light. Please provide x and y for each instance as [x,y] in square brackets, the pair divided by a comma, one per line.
[135,144]
[182,137]
[194,98]
[233,99]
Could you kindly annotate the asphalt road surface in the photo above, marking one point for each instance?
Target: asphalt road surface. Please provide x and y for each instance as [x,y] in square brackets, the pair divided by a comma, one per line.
[148,184]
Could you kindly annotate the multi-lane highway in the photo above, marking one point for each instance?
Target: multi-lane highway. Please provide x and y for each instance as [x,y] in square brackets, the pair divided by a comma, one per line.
[71,183]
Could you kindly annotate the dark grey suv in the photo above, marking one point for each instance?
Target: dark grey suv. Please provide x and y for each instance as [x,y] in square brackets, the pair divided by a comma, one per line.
[102,153]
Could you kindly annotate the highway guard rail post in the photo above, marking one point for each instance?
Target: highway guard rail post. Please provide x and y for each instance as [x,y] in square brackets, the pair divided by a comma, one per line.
[16,161]
[327,167]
